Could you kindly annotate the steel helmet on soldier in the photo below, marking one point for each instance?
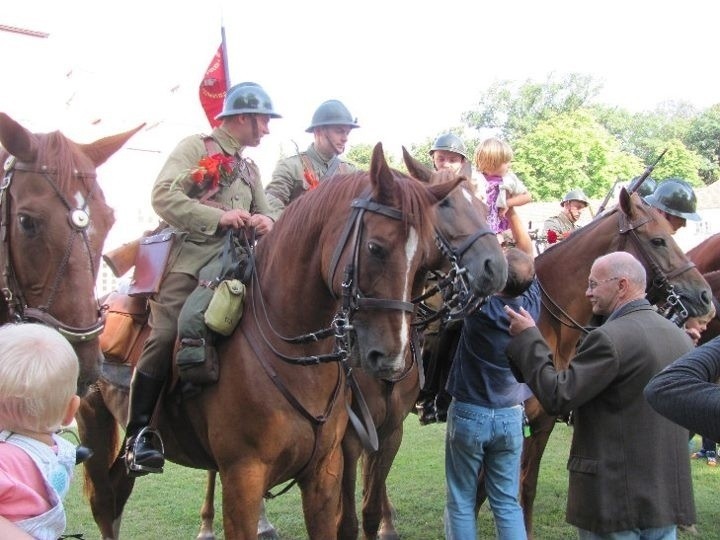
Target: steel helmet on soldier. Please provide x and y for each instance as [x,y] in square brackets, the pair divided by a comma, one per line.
[575,195]
[676,197]
[646,188]
[332,113]
[450,143]
[247,98]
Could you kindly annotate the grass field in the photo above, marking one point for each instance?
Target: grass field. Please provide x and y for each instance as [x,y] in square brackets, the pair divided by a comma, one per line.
[167,506]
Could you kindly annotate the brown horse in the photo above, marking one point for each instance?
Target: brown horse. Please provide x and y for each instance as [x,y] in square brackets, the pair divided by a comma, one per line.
[345,258]
[54,222]
[706,255]
[472,252]
[462,225]
[562,271]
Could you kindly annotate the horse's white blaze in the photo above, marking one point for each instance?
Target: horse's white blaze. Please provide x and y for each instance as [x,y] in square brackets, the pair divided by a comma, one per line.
[79,200]
[411,247]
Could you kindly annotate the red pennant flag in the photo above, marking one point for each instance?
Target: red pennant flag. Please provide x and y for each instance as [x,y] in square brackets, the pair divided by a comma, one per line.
[213,87]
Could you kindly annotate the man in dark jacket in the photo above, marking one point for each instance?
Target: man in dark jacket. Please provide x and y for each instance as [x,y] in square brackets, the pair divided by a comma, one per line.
[629,471]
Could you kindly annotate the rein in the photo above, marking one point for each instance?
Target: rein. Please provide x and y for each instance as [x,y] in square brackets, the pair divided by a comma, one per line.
[673,309]
[79,221]
[459,300]
[352,301]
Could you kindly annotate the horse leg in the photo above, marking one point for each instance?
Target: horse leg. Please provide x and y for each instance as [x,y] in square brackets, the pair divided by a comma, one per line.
[266,530]
[378,512]
[541,426]
[321,496]
[107,485]
[207,512]
[348,526]
[242,490]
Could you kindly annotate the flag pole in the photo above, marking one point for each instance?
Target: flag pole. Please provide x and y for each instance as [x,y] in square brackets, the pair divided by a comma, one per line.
[226,63]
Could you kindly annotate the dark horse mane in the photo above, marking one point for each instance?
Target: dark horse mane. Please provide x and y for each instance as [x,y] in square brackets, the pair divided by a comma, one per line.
[313,209]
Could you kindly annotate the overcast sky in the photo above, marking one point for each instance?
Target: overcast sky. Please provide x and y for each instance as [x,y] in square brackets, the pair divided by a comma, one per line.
[406,69]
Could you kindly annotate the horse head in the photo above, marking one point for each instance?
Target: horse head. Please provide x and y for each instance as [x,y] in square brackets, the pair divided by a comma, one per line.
[673,280]
[462,231]
[55,221]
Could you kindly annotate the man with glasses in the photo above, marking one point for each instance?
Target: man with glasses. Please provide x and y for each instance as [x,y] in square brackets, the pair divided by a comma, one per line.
[629,472]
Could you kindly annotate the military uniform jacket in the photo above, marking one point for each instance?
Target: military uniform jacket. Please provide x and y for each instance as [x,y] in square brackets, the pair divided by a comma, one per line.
[175,198]
[560,224]
[288,179]
[628,465]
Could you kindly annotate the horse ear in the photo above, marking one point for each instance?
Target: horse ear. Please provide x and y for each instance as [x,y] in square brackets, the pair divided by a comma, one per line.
[381,177]
[17,140]
[102,149]
[415,168]
[440,191]
[626,203]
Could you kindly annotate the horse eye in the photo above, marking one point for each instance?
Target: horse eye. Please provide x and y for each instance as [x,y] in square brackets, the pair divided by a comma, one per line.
[445,203]
[28,225]
[659,242]
[376,250]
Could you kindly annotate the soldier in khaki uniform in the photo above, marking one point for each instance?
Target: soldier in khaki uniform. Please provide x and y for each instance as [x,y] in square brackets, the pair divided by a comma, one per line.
[565,222]
[331,126]
[200,213]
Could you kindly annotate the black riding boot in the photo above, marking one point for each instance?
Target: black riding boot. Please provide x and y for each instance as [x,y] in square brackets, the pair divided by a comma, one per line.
[144,447]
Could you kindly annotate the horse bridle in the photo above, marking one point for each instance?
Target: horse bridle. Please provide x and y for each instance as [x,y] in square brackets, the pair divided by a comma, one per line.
[673,308]
[459,300]
[79,221]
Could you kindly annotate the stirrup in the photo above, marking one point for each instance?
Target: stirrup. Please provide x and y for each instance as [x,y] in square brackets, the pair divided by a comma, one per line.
[134,467]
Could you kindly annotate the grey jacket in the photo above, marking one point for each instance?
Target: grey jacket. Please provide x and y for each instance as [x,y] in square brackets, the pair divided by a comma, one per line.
[629,466]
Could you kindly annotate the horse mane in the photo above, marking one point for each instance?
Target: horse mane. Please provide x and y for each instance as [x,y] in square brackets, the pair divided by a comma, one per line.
[62,155]
[310,212]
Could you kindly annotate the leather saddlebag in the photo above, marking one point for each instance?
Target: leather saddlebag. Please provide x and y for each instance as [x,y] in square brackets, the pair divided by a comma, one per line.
[124,320]
[151,263]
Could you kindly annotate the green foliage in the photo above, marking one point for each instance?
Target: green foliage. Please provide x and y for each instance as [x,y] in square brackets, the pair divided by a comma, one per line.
[514,110]
[703,137]
[571,150]
[360,155]
[678,162]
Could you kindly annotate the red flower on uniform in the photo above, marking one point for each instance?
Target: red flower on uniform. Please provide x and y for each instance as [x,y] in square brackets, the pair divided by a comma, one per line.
[212,169]
[552,237]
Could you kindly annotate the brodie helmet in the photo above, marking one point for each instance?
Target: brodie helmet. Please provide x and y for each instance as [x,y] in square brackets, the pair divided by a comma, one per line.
[575,195]
[450,143]
[646,188]
[332,113]
[247,98]
[676,197]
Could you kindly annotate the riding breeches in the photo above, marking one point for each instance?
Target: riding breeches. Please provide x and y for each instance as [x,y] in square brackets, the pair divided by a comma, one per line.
[165,307]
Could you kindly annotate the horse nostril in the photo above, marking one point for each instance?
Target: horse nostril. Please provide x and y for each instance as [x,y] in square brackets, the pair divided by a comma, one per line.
[706,297]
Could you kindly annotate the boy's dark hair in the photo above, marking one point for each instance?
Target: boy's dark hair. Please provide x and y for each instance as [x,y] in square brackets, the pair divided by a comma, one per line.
[521,272]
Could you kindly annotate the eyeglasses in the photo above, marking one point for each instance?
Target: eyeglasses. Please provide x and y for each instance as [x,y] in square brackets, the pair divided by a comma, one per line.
[592,284]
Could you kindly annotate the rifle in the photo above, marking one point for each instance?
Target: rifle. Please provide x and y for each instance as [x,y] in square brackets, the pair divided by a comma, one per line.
[637,182]
[122,259]
[634,185]
[601,208]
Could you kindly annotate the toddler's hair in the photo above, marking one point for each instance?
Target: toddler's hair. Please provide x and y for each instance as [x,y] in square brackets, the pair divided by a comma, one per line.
[38,377]
[491,153]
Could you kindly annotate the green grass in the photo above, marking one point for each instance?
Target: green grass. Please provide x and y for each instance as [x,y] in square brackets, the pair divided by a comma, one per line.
[167,505]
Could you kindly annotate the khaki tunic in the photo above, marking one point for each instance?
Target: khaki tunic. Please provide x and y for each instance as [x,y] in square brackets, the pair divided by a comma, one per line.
[288,179]
[560,224]
[175,201]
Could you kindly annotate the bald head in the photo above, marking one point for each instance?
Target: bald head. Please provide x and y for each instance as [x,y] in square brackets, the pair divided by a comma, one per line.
[615,279]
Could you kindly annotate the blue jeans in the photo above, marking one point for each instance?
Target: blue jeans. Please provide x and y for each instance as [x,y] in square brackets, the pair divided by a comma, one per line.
[660,533]
[480,437]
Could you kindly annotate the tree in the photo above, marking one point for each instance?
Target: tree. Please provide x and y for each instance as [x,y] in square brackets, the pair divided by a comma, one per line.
[514,110]
[571,150]
[360,155]
[703,137]
[678,162]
